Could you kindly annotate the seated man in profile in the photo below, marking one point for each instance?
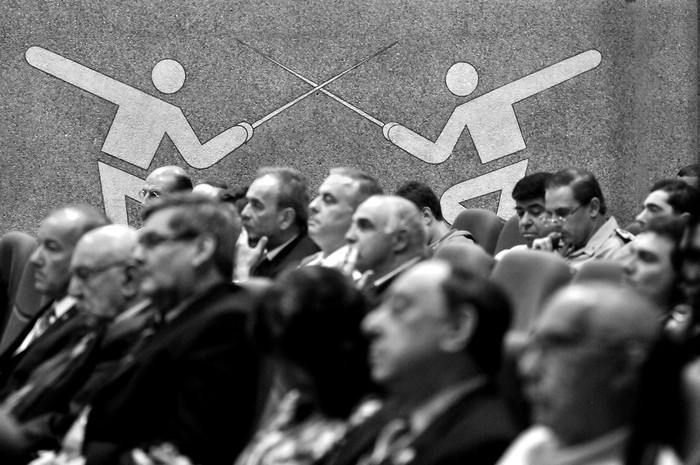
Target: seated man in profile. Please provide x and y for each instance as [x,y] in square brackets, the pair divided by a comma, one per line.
[194,382]
[331,214]
[105,286]
[164,181]
[276,224]
[576,211]
[438,232]
[581,372]
[386,238]
[435,345]
[670,198]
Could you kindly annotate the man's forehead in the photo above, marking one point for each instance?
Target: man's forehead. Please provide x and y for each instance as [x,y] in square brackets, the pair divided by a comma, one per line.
[158,221]
[266,186]
[374,211]
[338,183]
[560,195]
[658,197]
[563,315]
[525,204]
[423,279]
[63,225]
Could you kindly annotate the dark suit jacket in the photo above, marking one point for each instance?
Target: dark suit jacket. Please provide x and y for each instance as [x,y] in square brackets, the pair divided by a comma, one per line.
[193,383]
[475,430]
[16,368]
[289,257]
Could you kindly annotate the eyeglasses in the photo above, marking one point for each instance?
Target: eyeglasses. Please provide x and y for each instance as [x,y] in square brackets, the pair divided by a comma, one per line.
[153,240]
[85,273]
[147,194]
[554,219]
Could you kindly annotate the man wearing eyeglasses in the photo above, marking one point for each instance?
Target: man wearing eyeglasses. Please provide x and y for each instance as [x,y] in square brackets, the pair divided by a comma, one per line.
[194,382]
[43,398]
[575,209]
[164,180]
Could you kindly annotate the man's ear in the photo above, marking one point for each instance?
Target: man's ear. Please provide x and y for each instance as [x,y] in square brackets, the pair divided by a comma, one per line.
[427,215]
[286,218]
[205,244]
[594,207]
[460,329]
[131,281]
[401,241]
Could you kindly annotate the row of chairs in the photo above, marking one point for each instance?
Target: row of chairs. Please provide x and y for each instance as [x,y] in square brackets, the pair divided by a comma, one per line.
[489,230]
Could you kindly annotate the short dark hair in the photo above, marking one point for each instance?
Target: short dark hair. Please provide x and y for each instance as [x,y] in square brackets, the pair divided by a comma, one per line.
[235,196]
[198,214]
[683,197]
[181,183]
[311,316]
[583,184]
[531,186]
[422,196]
[493,314]
[293,192]
[672,229]
[367,185]
[690,170]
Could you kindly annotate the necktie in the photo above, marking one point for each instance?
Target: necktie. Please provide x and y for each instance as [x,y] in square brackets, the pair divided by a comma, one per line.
[393,438]
[45,321]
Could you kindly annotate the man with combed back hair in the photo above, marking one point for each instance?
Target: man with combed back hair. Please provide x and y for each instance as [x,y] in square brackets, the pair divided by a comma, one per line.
[386,238]
[275,221]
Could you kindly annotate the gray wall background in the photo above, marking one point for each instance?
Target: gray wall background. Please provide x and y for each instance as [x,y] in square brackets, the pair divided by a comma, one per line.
[631,121]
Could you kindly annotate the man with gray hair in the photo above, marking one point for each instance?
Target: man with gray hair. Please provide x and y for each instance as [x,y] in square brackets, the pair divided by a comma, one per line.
[581,372]
[331,214]
[386,238]
[275,221]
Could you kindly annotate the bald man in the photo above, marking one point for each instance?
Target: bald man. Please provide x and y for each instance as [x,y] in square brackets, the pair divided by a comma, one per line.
[165,180]
[50,262]
[386,237]
[581,372]
[105,285]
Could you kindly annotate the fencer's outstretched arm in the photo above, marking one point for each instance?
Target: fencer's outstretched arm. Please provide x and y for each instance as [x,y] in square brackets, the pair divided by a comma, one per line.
[490,118]
[81,76]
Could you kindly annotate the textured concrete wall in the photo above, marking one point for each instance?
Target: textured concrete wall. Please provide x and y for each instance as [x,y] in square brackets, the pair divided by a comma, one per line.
[631,119]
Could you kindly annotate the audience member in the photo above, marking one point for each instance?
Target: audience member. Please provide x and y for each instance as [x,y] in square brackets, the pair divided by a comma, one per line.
[528,194]
[435,345]
[670,198]
[576,210]
[438,232]
[104,284]
[386,238]
[193,383]
[235,196]
[165,180]
[275,221]
[309,321]
[581,373]
[690,174]
[650,267]
[30,342]
[331,214]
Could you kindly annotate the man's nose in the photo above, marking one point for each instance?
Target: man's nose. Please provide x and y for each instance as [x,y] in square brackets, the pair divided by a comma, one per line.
[245,213]
[75,288]
[642,217]
[36,258]
[350,236]
[313,206]
[371,323]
